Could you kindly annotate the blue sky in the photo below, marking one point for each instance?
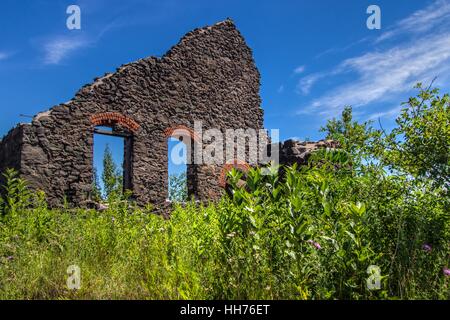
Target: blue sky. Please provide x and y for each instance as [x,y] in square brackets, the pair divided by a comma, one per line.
[314,56]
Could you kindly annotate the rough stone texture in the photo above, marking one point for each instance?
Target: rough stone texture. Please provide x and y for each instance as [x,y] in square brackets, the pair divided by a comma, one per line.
[292,151]
[10,150]
[209,75]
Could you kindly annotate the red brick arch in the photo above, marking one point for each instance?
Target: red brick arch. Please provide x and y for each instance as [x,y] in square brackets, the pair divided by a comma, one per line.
[110,118]
[181,131]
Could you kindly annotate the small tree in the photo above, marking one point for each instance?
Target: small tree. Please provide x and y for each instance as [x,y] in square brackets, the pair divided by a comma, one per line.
[353,137]
[420,144]
[111,176]
[177,187]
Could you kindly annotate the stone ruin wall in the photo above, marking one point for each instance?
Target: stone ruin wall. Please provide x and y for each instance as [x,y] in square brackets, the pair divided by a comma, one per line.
[299,152]
[10,150]
[210,75]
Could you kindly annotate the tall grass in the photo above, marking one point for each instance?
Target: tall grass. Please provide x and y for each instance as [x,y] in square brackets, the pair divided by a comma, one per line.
[305,234]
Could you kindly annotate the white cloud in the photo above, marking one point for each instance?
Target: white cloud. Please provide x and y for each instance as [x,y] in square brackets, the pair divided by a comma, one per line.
[280,89]
[305,84]
[433,16]
[299,69]
[56,50]
[382,76]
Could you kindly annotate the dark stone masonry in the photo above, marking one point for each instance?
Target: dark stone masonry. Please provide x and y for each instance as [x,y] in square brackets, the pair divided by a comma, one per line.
[292,151]
[209,76]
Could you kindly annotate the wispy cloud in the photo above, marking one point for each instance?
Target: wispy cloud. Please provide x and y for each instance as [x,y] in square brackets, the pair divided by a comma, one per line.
[4,55]
[58,49]
[104,18]
[305,84]
[434,16]
[299,69]
[386,114]
[383,75]
[341,49]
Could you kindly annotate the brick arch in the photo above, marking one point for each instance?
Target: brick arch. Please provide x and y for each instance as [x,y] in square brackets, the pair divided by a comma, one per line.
[110,118]
[181,131]
[237,164]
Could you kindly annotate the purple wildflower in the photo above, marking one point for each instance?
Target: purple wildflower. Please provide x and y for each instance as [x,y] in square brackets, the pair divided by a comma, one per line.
[315,244]
[446,272]
[426,247]
[10,258]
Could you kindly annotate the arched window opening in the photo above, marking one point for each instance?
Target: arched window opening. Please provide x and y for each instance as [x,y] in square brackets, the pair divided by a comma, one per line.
[177,170]
[112,162]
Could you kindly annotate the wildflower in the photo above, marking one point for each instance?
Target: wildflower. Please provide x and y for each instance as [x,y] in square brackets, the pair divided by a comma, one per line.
[426,247]
[10,258]
[315,244]
[446,272]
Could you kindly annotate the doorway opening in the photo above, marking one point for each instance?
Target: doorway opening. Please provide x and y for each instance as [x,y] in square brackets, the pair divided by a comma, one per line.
[112,163]
[177,170]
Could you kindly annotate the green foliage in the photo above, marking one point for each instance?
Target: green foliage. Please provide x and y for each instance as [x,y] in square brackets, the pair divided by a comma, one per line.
[96,189]
[178,187]
[309,234]
[420,144]
[16,195]
[111,176]
[352,136]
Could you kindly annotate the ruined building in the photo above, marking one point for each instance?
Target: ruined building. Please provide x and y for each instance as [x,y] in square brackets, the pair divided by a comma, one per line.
[210,75]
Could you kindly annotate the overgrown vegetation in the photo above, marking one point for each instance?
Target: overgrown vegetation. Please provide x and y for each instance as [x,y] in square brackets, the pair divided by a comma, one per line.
[307,233]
